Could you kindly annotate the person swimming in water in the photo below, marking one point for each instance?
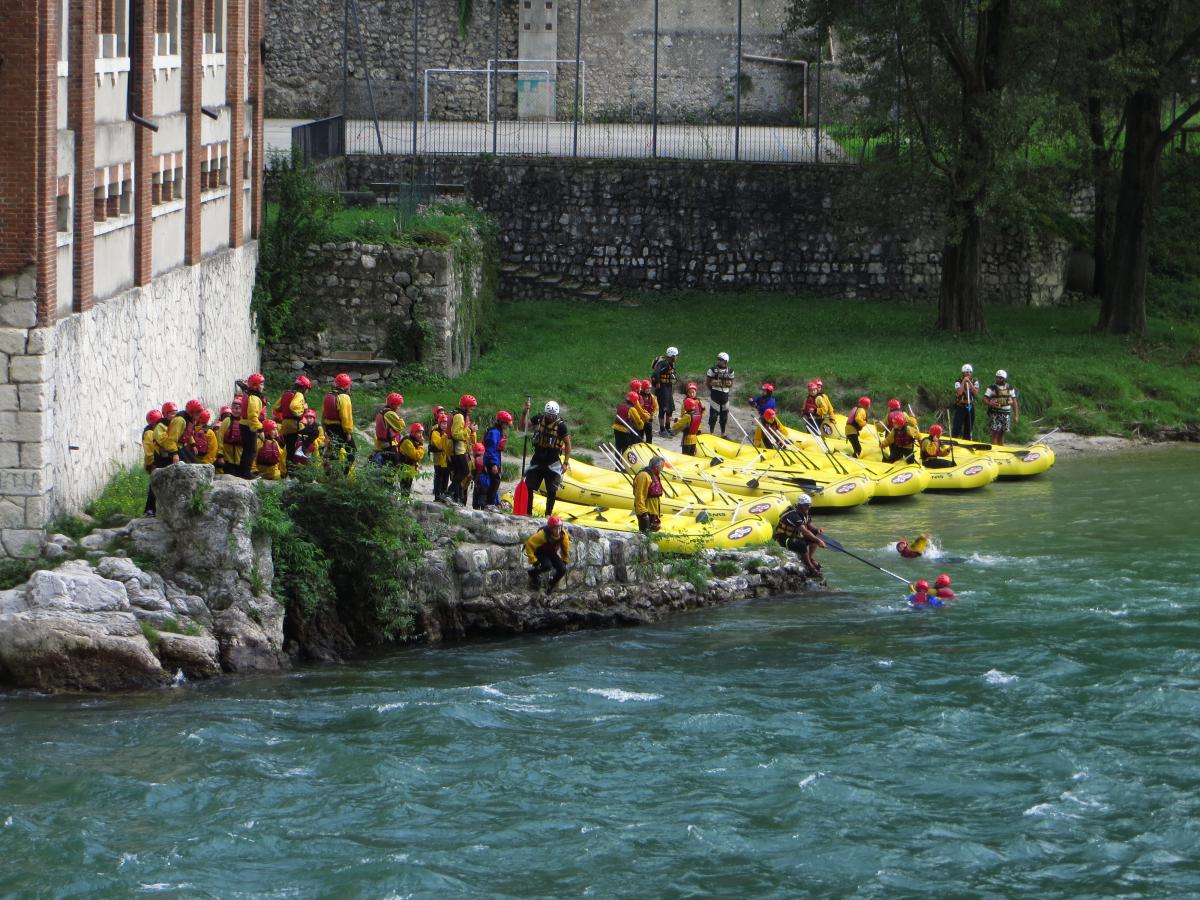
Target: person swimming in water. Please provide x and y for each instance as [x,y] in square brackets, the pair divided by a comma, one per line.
[921,596]
[914,549]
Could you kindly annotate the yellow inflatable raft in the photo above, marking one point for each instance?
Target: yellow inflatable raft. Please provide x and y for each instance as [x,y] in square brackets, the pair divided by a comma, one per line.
[593,486]
[891,480]
[679,534]
[828,489]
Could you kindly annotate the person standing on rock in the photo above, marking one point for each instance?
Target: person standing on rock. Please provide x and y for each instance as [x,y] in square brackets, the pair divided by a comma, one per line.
[229,430]
[337,417]
[149,453]
[494,441]
[548,549]
[662,379]
[270,460]
[647,495]
[251,422]
[288,412]
[797,533]
[1003,413]
[463,440]
[551,451]
[765,400]
[409,453]
[178,441]
[719,381]
[440,446]
[389,429]
[966,389]
[856,421]
[204,444]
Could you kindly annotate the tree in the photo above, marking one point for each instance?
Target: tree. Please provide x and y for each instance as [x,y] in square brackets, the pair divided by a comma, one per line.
[1157,44]
[958,88]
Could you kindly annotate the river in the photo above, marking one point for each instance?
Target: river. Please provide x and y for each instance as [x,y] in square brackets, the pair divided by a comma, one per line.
[1040,736]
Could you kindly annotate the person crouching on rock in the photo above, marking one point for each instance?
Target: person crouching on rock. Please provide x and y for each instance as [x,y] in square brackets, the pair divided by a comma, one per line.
[797,533]
[548,548]
[647,495]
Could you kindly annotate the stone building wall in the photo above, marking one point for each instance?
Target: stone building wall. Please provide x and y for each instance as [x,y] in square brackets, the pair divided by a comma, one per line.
[73,396]
[405,303]
[697,59]
[669,224]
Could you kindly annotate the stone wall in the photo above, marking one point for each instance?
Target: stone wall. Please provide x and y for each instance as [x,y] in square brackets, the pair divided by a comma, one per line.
[669,224]
[406,303]
[73,396]
[697,59]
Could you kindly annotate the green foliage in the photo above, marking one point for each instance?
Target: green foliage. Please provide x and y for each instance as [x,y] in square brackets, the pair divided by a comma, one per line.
[199,500]
[354,538]
[151,634]
[171,624]
[123,498]
[301,567]
[16,571]
[690,569]
[71,526]
[299,215]
[724,568]
[1174,284]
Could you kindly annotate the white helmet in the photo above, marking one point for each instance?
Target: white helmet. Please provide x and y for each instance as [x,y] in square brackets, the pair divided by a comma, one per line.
[802,500]
[551,408]
[968,368]
[1000,373]
[672,351]
[723,357]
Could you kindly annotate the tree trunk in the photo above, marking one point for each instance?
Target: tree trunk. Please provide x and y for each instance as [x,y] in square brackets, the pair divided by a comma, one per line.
[960,304]
[1123,310]
[1101,196]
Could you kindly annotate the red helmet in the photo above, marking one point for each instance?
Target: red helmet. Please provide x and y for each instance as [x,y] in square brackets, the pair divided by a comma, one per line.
[504,417]
[636,384]
[690,405]
[769,415]
[438,410]
[269,426]
[442,417]
[478,448]
[893,404]
[256,380]
[169,409]
[814,386]
[632,397]
[864,402]
[153,417]
[768,387]
[394,399]
[897,420]
[341,380]
[225,411]
[922,585]
[193,407]
[691,386]
[644,385]
[554,522]
[468,401]
[935,430]
[415,429]
[303,382]
[943,580]
[205,417]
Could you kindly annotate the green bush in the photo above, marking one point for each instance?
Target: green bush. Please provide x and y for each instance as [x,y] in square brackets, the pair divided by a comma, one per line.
[17,571]
[724,568]
[690,569]
[151,634]
[124,497]
[301,567]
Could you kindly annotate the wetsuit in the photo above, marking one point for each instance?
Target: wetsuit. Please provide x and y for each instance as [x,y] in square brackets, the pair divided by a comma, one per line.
[546,467]
[545,553]
[720,385]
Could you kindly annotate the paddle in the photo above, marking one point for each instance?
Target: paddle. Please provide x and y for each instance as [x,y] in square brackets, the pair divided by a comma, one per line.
[836,545]
[521,500]
[837,464]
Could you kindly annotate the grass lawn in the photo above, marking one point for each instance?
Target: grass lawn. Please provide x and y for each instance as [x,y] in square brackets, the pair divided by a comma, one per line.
[583,355]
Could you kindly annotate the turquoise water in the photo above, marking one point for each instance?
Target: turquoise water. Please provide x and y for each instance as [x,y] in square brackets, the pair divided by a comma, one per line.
[1040,737]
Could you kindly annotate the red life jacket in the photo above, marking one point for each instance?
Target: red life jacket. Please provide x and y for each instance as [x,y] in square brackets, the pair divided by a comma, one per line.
[329,410]
[268,453]
[810,405]
[694,425]
[945,593]
[901,437]
[622,417]
[647,401]
[383,431]
[656,488]
[200,441]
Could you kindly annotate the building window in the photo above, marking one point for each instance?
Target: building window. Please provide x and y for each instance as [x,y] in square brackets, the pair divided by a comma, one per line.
[114,192]
[246,161]
[167,28]
[214,26]
[112,27]
[214,167]
[177,181]
[63,204]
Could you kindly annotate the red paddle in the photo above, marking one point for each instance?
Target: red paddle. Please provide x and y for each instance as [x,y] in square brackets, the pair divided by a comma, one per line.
[521,493]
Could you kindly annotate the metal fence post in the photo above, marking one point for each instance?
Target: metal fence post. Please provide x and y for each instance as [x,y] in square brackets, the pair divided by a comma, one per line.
[654,97]
[496,82]
[415,27]
[737,95]
[578,47]
[817,136]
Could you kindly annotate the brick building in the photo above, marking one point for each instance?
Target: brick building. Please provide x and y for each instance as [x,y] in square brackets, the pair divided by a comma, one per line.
[130,201]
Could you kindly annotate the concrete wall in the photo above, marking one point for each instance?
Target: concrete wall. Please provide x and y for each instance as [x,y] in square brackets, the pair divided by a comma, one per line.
[73,396]
[697,58]
[655,224]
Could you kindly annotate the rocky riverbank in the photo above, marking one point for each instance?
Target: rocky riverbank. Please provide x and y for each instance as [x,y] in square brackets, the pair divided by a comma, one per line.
[189,593]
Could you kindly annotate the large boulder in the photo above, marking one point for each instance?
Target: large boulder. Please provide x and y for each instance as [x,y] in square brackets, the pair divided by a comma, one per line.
[76,631]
